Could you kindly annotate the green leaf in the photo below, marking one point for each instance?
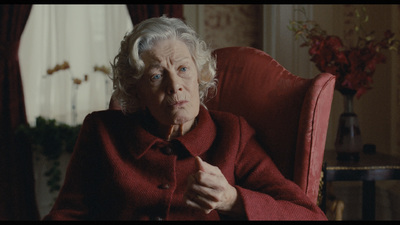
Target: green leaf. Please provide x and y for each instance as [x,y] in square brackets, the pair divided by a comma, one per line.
[51,138]
[366,18]
[357,13]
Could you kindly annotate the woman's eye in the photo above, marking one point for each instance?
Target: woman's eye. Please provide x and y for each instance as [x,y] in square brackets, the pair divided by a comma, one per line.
[183,69]
[156,77]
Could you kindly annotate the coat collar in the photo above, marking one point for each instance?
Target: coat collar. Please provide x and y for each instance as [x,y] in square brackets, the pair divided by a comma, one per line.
[196,141]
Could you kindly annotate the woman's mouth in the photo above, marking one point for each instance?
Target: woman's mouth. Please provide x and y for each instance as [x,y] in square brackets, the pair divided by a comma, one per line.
[178,103]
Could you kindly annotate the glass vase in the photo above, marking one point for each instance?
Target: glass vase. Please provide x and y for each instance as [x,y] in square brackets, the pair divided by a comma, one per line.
[348,144]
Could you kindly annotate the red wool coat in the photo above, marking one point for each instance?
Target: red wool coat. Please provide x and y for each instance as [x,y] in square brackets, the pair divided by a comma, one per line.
[120,171]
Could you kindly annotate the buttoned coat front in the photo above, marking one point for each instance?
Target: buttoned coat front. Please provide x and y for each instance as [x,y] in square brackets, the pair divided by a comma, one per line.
[120,171]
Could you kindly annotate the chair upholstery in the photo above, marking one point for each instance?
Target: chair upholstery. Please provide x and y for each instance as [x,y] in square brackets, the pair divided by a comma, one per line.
[290,114]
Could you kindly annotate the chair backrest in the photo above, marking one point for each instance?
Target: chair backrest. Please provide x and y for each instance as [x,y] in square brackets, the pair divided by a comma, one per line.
[290,114]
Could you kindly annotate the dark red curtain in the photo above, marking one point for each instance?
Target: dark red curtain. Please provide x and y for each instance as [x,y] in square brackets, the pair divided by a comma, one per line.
[141,12]
[17,197]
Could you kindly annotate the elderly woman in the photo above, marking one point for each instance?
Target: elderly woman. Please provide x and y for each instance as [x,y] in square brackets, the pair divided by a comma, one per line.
[164,156]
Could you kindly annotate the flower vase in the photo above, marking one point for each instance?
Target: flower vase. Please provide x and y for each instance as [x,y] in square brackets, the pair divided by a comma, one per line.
[348,144]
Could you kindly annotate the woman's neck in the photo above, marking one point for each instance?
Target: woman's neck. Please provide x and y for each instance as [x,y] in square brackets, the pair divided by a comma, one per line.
[172,131]
[167,132]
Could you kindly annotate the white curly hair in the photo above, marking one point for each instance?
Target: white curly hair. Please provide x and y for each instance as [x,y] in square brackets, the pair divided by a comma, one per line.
[128,67]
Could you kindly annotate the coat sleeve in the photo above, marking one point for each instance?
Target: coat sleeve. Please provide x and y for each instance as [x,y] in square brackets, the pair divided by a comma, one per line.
[265,192]
[72,198]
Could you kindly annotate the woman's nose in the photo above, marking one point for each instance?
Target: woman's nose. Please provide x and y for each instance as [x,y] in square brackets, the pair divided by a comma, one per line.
[174,83]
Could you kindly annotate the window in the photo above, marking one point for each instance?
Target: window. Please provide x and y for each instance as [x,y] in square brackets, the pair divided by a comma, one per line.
[82,35]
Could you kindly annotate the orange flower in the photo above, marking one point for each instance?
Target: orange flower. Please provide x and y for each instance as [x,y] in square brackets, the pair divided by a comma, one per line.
[57,67]
[102,69]
[65,65]
[77,81]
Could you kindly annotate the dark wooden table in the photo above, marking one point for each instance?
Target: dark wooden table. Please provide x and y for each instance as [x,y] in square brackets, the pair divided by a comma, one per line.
[370,168]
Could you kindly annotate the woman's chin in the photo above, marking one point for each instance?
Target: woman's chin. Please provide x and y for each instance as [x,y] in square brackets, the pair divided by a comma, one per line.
[181,120]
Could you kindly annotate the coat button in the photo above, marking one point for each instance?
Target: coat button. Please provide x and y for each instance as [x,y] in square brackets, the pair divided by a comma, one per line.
[163,186]
[167,150]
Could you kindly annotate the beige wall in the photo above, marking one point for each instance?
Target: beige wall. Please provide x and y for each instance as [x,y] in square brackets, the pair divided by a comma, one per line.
[227,25]
[378,109]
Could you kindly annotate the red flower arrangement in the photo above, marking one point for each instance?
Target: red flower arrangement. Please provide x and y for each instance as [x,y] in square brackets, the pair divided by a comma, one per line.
[353,65]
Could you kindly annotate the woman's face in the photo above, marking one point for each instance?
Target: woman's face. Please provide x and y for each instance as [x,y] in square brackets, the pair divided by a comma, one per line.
[169,87]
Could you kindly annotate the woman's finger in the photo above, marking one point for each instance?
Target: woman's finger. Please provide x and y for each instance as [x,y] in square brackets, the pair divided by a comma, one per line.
[198,201]
[203,191]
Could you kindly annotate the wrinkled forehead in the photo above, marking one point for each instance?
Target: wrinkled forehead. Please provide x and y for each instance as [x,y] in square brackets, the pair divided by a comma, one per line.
[166,51]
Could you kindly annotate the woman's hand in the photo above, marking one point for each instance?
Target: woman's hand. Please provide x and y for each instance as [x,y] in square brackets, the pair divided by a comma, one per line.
[208,189]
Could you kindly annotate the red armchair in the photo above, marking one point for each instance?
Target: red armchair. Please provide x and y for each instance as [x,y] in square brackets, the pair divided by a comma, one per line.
[290,114]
